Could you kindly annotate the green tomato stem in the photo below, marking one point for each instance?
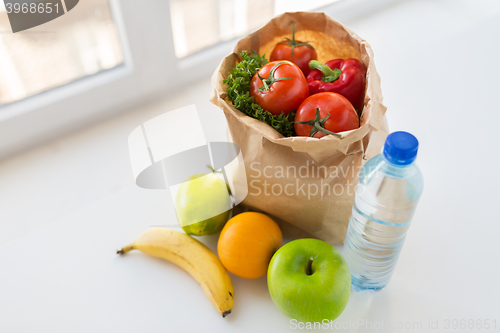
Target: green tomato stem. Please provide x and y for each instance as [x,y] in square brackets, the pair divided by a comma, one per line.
[292,43]
[318,125]
[267,83]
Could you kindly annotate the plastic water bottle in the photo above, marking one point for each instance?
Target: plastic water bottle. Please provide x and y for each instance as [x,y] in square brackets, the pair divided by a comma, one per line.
[390,185]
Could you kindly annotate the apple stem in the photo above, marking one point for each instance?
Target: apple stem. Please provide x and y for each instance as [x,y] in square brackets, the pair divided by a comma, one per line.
[309,266]
[213,170]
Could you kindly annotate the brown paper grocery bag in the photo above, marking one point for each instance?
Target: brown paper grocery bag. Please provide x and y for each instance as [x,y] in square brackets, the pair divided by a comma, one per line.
[307,184]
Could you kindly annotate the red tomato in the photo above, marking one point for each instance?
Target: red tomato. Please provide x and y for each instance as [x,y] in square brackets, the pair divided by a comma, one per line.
[298,52]
[336,114]
[278,87]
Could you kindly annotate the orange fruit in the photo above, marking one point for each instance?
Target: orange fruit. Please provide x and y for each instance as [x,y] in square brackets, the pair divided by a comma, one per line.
[247,243]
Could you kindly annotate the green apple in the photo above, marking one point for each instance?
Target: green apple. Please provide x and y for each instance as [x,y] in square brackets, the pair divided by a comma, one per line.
[203,204]
[309,280]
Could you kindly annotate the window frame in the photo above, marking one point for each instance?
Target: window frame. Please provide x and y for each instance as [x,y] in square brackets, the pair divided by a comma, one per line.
[63,109]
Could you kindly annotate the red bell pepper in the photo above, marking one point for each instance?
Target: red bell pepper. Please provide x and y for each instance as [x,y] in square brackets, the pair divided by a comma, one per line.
[345,77]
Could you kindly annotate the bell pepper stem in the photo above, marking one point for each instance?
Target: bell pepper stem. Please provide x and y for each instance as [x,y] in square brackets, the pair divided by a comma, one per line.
[329,75]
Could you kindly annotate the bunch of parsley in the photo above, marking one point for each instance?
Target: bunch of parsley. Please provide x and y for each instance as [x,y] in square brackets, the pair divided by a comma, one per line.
[238,93]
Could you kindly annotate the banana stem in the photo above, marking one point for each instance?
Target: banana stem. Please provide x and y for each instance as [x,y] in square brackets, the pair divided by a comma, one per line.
[125,249]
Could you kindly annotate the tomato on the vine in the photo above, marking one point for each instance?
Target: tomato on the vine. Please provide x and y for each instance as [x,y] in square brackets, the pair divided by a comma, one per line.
[300,53]
[279,86]
[325,113]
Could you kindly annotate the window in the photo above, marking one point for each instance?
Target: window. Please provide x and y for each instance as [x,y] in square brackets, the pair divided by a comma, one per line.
[81,43]
[198,24]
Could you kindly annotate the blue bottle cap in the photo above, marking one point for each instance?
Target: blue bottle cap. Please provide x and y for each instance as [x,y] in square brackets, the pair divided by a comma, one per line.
[401,148]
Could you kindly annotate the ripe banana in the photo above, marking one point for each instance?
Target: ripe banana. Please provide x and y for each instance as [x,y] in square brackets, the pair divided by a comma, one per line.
[193,257]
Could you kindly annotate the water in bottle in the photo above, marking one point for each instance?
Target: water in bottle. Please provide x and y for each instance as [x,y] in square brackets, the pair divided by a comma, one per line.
[390,185]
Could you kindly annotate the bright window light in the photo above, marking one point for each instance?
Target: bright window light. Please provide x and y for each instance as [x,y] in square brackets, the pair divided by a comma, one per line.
[198,24]
[80,43]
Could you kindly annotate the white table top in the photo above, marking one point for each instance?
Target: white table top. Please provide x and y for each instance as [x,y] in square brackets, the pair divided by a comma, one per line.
[62,217]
